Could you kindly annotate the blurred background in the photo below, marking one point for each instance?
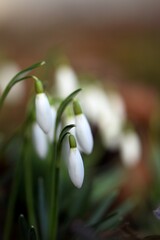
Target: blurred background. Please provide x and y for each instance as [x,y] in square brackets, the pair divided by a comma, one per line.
[117,42]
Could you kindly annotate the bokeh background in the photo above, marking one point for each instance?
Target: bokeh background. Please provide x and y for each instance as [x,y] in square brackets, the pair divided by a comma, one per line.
[116,40]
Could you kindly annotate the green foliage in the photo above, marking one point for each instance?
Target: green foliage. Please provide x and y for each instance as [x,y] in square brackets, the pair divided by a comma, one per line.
[26,232]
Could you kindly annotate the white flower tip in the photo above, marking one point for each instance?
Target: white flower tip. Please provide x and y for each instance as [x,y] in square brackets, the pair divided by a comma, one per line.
[75,167]
[39,141]
[84,134]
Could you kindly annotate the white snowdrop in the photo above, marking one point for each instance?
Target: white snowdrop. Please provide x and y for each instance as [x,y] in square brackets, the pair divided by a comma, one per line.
[75,163]
[43,112]
[40,141]
[50,134]
[94,102]
[65,81]
[130,149]
[83,130]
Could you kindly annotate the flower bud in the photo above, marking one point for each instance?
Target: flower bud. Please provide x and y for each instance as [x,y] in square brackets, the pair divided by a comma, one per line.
[75,163]
[51,132]
[83,130]
[43,112]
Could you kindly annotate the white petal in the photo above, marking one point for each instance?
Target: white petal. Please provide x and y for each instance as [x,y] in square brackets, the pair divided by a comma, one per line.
[51,131]
[75,167]
[71,120]
[110,129]
[94,106]
[66,81]
[130,149]
[84,134]
[43,112]
[40,141]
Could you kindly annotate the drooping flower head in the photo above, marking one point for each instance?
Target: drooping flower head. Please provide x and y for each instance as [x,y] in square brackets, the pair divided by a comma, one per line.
[83,130]
[43,110]
[75,163]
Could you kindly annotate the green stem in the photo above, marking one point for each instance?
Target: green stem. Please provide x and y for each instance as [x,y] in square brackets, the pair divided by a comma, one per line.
[54,171]
[17,78]
[12,200]
[8,88]
[29,186]
[53,197]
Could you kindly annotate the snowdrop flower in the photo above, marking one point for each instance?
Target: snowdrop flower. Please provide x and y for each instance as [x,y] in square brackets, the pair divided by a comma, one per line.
[83,130]
[130,149]
[7,72]
[110,130]
[112,120]
[71,120]
[75,163]
[50,134]
[43,109]
[94,102]
[40,141]
[65,81]
[107,111]
[118,105]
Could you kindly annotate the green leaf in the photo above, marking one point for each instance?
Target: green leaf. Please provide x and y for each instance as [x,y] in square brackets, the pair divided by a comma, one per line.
[111,179]
[64,132]
[32,234]
[126,207]
[80,198]
[42,209]
[111,222]
[102,209]
[114,219]
[25,71]
[64,104]
[17,78]
[23,227]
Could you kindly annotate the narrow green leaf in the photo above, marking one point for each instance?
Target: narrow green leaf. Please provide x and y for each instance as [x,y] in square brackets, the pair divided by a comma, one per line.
[32,234]
[111,179]
[80,206]
[23,227]
[17,78]
[64,132]
[42,209]
[126,207]
[111,222]
[25,71]
[64,104]
[102,209]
